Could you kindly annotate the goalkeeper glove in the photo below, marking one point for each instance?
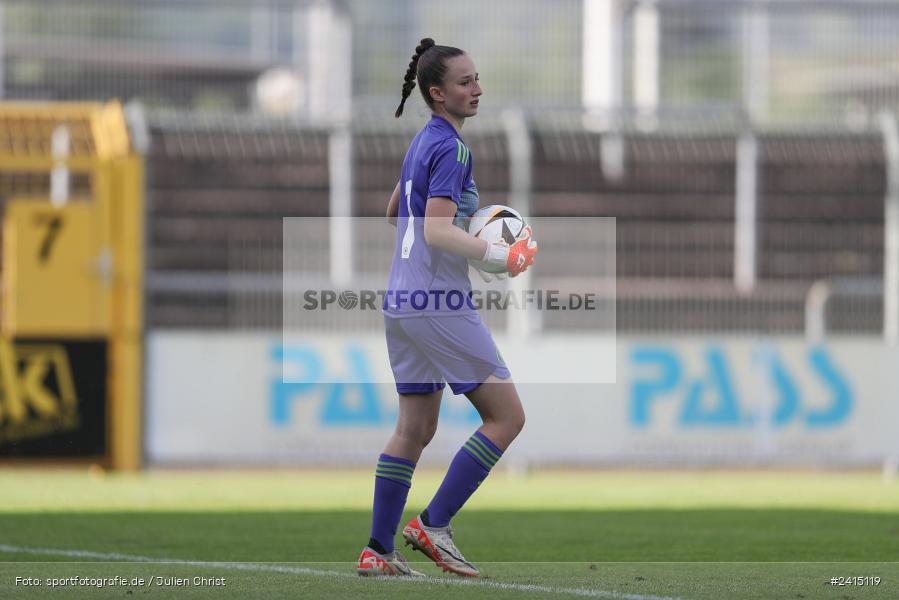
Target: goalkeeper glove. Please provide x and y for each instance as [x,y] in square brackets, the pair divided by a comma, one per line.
[516,258]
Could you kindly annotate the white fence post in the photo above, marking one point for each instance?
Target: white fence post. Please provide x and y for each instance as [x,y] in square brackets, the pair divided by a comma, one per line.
[756,51]
[330,62]
[60,145]
[520,322]
[646,58]
[340,176]
[746,218]
[890,133]
[602,57]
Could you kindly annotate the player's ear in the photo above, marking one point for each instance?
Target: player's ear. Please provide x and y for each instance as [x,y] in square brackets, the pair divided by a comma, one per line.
[436,94]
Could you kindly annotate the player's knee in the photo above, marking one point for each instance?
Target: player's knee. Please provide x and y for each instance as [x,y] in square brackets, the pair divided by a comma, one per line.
[511,423]
[417,436]
[428,433]
[516,422]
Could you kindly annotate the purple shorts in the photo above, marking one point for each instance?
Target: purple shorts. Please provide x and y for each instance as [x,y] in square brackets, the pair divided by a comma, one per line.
[425,352]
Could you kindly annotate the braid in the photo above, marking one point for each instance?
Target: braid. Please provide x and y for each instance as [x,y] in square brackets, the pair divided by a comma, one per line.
[409,79]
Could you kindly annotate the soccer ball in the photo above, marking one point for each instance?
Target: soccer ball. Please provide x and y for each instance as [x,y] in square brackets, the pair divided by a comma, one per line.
[497,223]
[279,92]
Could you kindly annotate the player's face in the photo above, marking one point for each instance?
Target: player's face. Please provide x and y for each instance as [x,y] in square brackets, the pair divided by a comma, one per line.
[461,89]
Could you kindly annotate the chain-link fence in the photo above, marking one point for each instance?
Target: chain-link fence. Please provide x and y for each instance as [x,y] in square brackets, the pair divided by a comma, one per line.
[802,80]
[781,62]
[784,62]
[220,192]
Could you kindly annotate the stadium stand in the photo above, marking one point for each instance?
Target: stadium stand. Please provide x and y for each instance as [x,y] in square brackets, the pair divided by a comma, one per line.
[218,192]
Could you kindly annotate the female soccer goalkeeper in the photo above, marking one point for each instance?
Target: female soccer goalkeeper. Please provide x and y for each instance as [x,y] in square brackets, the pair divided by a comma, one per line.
[434,333]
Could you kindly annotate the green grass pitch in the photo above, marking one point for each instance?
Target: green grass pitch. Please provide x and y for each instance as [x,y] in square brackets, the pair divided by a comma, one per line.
[630,535]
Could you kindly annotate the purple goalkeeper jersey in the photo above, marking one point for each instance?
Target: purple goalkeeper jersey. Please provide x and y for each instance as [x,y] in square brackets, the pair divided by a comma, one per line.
[425,280]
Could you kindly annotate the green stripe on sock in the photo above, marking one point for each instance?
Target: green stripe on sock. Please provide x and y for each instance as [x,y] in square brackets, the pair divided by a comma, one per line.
[392,474]
[395,476]
[478,455]
[480,444]
[392,470]
[393,465]
[402,468]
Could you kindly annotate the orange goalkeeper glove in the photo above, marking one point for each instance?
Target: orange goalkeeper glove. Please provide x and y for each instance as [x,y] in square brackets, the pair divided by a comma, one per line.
[521,256]
[516,258]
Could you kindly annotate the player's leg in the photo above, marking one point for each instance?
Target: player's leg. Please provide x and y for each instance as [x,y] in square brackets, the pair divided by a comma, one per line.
[468,359]
[497,401]
[420,388]
[416,424]
[484,378]
[500,408]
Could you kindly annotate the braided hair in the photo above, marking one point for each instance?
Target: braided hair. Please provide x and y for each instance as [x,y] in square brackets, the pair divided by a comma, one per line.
[428,66]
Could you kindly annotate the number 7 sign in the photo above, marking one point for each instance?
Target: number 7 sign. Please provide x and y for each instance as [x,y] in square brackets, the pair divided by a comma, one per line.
[53,284]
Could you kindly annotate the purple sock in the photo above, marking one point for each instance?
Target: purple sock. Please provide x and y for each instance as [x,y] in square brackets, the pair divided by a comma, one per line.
[393,478]
[469,468]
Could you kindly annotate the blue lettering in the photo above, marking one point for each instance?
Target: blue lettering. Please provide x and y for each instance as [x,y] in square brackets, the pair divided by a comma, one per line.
[712,400]
[789,395]
[841,401]
[301,382]
[437,294]
[423,295]
[726,413]
[644,391]
[457,304]
[353,400]
[401,297]
[777,381]
[337,410]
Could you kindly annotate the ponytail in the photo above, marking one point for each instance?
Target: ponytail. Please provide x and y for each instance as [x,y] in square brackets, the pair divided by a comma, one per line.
[409,79]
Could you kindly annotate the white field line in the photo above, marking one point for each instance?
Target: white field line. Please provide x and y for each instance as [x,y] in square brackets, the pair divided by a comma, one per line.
[275,568]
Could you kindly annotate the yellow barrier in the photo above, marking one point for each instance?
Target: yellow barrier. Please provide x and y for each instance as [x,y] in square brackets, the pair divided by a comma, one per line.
[72,268]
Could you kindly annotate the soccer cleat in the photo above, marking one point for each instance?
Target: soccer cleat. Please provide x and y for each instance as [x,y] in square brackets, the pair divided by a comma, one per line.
[437,544]
[372,563]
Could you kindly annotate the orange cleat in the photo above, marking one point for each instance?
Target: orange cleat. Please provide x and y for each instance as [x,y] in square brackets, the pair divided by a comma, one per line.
[437,544]
[374,564]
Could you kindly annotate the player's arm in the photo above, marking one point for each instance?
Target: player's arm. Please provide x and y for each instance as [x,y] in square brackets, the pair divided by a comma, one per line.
[393,207]
[441,233]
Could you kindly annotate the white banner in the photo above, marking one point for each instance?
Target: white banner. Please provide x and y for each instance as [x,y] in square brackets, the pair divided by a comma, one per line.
[220,398]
